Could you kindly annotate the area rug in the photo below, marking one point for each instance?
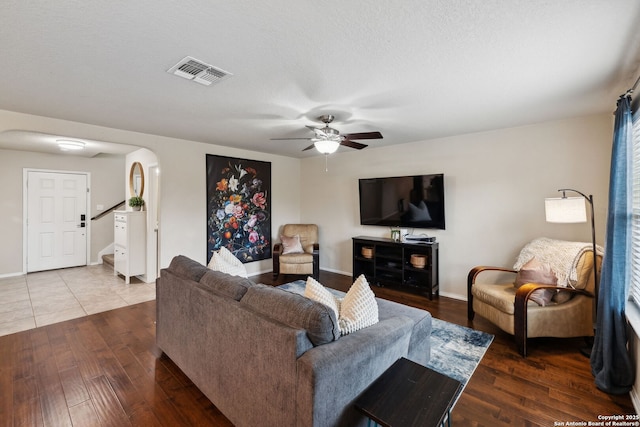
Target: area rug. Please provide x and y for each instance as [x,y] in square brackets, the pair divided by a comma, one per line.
[456,350]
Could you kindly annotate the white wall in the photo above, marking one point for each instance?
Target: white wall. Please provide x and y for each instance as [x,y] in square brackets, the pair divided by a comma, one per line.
[495,185]
[106,189]
[183,197]
[182,187]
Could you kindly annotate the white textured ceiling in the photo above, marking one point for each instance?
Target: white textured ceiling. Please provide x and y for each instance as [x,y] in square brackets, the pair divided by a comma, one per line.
[411,69]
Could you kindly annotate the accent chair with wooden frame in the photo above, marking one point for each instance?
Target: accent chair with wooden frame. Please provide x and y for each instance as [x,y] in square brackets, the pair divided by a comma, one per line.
[513,311]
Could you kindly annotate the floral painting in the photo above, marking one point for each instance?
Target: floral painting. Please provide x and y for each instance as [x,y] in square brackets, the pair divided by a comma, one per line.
[239,207]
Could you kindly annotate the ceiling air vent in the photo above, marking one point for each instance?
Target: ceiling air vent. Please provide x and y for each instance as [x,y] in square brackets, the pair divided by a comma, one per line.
[198,71]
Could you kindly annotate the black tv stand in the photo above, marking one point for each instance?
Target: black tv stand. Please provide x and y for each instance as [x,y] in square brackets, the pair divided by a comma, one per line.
[385,262]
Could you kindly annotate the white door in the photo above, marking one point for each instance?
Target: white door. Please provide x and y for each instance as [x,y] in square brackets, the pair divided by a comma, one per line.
[56,220]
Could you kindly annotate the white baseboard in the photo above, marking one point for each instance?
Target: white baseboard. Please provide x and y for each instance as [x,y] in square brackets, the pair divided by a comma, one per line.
[453,296]
[2,276]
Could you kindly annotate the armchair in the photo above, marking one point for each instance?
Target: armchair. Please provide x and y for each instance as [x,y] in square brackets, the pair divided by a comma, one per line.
[291,257]
[567,312]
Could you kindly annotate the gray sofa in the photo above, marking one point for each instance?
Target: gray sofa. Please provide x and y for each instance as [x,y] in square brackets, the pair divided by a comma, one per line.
[266,356]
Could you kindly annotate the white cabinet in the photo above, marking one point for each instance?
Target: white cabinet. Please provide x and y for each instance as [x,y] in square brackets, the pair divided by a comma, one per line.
[130,243]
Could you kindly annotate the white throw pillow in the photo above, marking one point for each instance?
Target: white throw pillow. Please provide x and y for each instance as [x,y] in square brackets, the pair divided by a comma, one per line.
[229,258]
[225,262]
[315,291]
[357,310]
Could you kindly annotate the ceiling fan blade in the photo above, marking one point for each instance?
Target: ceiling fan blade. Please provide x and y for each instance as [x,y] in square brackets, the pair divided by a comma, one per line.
[320,133]
[288,139]
[310,147]
[353,144]
[363,135]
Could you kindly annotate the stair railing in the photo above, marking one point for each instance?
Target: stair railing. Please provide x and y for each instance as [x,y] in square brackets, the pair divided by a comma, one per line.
[108,211]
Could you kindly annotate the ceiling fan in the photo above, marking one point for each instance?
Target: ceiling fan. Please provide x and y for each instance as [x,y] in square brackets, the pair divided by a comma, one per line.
[327,139]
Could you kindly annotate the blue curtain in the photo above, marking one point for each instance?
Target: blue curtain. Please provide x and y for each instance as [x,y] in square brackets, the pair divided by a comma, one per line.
[610,361]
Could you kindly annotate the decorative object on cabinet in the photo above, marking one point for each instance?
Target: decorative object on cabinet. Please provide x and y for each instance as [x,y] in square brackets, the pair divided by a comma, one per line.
[129,244]
[367,252]
[390,264]
[239,207]
[418,261]
[136,203]
[136,180]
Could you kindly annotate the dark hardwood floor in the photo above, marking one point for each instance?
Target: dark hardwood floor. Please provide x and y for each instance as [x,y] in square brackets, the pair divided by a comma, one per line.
[105,370]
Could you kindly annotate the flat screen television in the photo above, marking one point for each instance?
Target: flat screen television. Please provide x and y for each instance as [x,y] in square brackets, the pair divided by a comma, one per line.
[403,201]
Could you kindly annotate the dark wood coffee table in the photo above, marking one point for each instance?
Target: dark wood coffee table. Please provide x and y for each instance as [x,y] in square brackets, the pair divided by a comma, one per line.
[409,394]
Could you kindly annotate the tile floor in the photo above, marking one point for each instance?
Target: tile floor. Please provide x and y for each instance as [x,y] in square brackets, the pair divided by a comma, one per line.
[47,297]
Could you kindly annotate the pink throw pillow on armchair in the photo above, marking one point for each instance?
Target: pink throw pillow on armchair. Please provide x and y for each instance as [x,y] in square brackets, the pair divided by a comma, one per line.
[291,245]
[534,272]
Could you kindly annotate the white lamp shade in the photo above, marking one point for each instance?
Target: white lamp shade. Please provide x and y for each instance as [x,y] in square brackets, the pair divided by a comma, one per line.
[565,209]
[326,146]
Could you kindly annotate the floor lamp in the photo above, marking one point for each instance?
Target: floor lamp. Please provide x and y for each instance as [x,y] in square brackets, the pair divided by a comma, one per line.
[573,210]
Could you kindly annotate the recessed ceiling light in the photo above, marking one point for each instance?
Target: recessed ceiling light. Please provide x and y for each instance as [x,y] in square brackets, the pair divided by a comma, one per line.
[67,144]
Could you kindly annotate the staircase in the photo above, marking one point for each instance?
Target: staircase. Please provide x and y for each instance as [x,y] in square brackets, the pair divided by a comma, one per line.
[107,260]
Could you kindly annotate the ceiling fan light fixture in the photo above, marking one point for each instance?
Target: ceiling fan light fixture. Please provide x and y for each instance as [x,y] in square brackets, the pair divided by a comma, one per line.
[67,144]
[327,139]
[326,146]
